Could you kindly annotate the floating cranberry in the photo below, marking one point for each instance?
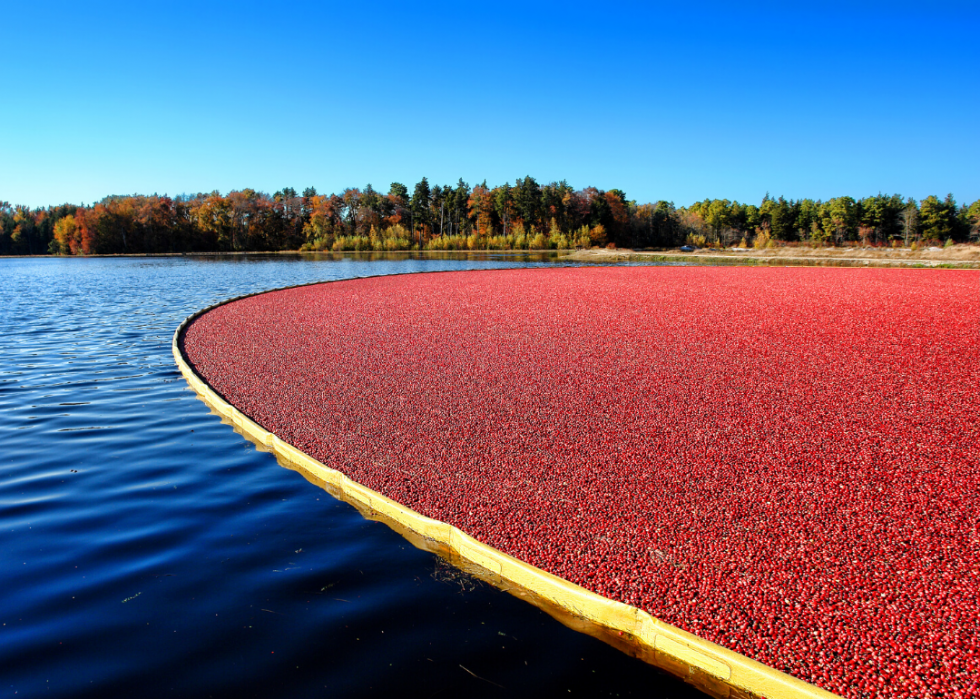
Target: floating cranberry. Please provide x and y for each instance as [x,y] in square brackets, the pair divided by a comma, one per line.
[782,461]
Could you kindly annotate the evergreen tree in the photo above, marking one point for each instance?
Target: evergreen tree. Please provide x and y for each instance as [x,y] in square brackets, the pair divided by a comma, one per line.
[937,218]
[399,193]
[420,207]
[527,200]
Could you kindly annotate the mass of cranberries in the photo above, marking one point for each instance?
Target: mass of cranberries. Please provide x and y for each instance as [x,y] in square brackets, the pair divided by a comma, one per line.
[782,461]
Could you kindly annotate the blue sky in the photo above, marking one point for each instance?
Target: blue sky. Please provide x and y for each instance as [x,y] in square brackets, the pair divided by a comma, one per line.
[676,101]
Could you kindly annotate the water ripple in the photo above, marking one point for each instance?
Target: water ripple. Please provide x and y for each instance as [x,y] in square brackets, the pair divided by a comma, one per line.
[148,550]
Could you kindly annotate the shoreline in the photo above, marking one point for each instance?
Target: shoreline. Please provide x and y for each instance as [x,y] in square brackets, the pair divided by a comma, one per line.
[961,256]
[287,253]
[865,257]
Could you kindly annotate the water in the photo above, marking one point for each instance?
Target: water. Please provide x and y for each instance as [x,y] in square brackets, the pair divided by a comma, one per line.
[148,550]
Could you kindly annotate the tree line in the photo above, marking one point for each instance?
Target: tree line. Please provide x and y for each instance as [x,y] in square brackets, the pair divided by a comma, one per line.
[525,215]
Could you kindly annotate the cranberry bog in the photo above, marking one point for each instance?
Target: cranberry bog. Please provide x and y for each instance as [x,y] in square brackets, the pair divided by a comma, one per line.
[781,462]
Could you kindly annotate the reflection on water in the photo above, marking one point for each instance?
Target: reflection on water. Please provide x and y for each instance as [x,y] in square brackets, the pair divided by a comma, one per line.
[513,257]
[148,550]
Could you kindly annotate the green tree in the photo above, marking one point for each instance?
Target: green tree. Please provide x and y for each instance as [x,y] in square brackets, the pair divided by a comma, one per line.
[458,202]
[352,205]
[375,207]
[656,225]
[717,214]
[910,221]
[839,219]
[527,201]
[807,214]
[399,193]
[881,214]
[617,226]
[503,204]
[972,218]
[937,218]
[437,206]
[781,217]
[420,207]
[599,212]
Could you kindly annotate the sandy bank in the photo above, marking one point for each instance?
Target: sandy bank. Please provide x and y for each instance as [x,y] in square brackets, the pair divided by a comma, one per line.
[958,256]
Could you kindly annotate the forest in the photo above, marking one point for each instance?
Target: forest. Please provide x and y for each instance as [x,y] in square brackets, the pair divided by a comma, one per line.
[525,215]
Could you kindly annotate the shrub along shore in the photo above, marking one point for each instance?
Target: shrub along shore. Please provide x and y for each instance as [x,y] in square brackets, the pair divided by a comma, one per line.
[522,216]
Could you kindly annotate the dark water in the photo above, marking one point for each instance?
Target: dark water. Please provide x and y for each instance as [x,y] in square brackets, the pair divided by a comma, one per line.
[148,550]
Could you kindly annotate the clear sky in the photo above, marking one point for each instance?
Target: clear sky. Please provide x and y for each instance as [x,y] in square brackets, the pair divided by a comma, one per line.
[676,101]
